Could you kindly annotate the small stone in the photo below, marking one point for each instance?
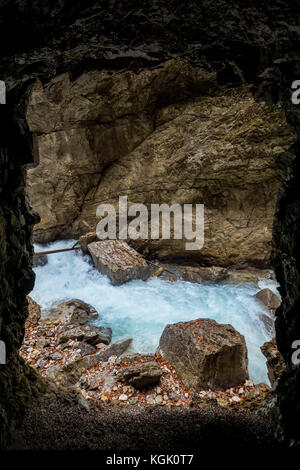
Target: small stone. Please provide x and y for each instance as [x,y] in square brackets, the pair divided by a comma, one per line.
[123,397]
[56,356]
[158,399]
[235,399]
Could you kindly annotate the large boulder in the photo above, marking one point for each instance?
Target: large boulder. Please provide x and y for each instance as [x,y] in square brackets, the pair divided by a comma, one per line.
[72,311]
[205,354]
[270,300]
[117,260]
[34,313]
[275,362]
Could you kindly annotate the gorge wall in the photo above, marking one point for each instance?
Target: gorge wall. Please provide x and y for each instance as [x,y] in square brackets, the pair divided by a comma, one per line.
[17,381]
[236,41]
[165,135]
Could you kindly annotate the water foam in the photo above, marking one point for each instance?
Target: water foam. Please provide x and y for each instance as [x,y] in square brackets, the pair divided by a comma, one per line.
[141,310]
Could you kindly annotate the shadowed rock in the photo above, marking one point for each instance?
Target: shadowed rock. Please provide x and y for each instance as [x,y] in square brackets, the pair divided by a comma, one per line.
[39,261]
[275,362]
[205,354]
[142,375]
[34,313]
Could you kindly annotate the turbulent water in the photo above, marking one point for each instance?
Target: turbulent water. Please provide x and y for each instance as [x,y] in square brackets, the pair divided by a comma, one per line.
[141,310]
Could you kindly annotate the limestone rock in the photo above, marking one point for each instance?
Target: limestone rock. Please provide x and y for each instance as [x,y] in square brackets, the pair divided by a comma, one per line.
[68,375]
[84,348]
[90,334]
[269,299]
[34,313]
[73,311]
[202,274]
[103,135]
[86,239]
[205,354]
[275,362]
[142,375]
[117,260]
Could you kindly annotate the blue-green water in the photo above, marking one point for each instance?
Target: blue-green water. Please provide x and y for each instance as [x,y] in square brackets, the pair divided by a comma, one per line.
[141,310]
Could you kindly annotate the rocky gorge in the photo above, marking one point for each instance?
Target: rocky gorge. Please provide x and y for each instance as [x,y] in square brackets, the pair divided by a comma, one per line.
[137,135]
[226,56]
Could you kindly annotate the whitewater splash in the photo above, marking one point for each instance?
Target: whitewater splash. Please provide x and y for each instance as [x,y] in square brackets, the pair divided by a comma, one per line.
[140,310]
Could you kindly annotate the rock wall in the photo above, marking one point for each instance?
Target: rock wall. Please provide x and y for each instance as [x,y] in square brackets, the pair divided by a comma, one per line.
[163,135]
[17,277]
[286,230]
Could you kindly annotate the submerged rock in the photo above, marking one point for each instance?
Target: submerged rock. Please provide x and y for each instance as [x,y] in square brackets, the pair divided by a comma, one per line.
[117,260]
[34,313]
[269,299]
[275,362]
[205,354]
[41,260]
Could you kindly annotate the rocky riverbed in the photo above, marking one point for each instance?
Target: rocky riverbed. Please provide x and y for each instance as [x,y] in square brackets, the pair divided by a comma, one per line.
[100,371]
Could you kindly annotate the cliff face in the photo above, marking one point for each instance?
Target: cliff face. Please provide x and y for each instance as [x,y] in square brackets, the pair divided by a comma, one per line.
[235,41]
[164,135]
[17,277]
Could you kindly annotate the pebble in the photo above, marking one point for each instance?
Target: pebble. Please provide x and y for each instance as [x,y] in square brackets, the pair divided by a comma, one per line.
[123,397]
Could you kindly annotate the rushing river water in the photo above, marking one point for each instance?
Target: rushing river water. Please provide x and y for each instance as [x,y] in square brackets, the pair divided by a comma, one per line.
[141,310]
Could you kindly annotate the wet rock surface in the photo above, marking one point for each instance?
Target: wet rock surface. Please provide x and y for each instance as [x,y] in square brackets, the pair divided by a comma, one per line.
[205,353]
[118,261]
[270,300]
[275,361]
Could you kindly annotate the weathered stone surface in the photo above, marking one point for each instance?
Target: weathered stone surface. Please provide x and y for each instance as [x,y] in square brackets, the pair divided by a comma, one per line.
[202,274]
[275,361]
[268,299]
[237,41]
[90,334]
[118,261]
[142,375]
[68,375]
[86,239]
[34,313]
[73,311]
[205,354]
[219,148]
[85,348]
